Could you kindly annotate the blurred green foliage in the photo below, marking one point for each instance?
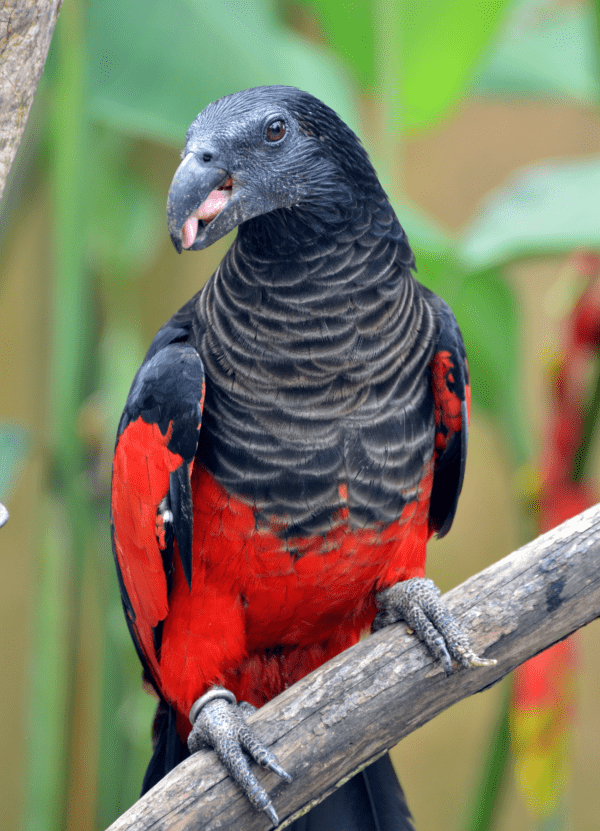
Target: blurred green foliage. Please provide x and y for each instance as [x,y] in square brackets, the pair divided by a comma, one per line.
[14,441]
[441,42]
[121,72]
[549,208]
[154,65]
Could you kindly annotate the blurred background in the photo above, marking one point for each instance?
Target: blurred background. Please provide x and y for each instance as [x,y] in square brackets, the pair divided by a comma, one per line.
[483,120]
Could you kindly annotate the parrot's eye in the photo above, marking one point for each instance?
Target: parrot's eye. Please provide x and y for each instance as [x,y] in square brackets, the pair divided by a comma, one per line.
[276,130]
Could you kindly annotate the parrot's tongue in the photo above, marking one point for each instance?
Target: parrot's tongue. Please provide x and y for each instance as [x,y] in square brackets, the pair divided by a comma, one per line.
[214,202]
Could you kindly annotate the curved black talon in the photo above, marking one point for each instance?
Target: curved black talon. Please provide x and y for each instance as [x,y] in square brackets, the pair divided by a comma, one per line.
[417,601]
[221,724]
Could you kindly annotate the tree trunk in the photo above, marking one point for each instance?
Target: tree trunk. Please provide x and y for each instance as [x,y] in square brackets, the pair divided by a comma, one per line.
[26,28]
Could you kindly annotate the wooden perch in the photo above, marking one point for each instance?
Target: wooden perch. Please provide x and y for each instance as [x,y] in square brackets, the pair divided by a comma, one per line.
[342,716]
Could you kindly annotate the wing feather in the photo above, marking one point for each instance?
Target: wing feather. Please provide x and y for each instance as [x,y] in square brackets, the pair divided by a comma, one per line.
[451,392]
[151,501]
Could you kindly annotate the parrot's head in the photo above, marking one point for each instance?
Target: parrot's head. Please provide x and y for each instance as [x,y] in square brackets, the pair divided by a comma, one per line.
[264,150]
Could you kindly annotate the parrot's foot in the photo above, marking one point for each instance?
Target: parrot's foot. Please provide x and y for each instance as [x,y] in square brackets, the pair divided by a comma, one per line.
[417,601]
[220,723]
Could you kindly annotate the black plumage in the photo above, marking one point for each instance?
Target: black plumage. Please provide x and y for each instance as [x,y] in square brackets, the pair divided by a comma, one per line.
[322,409]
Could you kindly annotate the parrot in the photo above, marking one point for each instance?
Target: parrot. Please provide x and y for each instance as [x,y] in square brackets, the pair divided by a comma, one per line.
[295,435]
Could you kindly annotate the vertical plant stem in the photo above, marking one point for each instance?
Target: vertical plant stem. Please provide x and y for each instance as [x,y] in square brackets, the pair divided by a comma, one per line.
[69,311]
[47,727]
[120,356]
[387,49]
[484,807]
[65,523]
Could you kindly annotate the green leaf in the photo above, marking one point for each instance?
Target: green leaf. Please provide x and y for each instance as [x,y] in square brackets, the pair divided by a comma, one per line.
[155,65]
[14,444]
[440,271]
[350,30]
[487,313]
[544,208]
[424,234]
[551,51]
[442,43]
[127,212]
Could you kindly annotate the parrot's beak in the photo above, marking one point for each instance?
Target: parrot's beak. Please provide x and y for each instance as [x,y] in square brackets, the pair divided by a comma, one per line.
[197,193]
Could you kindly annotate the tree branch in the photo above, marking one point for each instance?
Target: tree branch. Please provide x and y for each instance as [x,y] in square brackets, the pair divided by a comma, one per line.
[342,716]
[26,28]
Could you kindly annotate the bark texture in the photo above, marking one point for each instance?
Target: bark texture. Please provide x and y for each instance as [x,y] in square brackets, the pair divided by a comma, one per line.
[26,28]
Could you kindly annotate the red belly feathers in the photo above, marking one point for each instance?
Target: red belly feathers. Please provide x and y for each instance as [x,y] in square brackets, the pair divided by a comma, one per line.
[258,618]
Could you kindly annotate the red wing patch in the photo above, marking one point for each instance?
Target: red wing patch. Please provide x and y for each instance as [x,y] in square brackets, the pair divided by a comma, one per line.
[448,405]
[141,470]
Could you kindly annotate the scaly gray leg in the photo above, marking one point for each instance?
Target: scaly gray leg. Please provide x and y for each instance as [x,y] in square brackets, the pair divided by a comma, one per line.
[219,722]
[417,601]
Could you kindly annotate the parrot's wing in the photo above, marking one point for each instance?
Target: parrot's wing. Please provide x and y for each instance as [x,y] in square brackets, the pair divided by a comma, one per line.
[151,504]
[452,397]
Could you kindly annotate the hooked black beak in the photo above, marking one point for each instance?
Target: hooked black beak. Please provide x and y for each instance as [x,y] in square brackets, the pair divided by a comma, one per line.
[192,183]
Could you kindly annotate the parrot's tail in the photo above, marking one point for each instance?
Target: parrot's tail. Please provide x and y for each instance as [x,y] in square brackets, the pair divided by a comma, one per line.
[373,800]
[169,750]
